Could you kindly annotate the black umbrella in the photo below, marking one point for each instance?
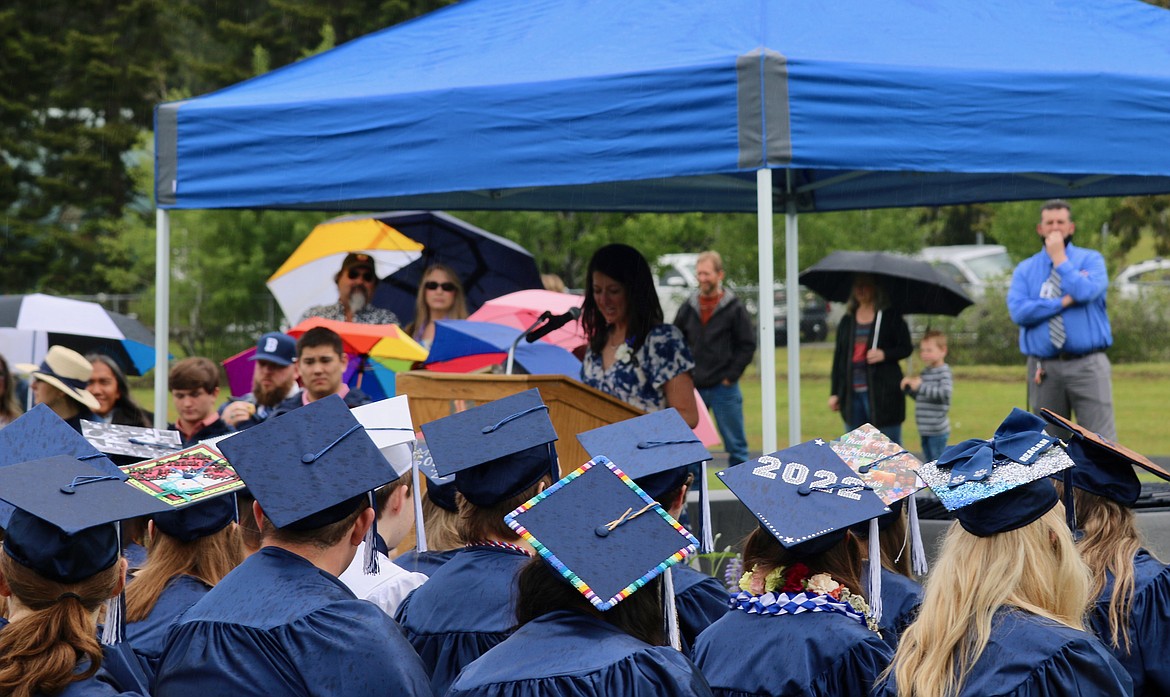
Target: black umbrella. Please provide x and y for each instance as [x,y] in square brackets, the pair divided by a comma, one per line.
[488,265]
[913,286]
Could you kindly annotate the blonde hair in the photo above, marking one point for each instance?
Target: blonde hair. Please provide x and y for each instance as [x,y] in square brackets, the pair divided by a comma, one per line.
[441,527]
[42,650]
[1036,568]
[422,312]
[1111,541]
[208,559]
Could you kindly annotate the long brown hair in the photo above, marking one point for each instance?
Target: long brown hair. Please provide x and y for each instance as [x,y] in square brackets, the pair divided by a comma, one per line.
[422,312]
[485,522]
[1109,544]
[842,561]
[9,407]
[208,559]
[43,648]
[628,267]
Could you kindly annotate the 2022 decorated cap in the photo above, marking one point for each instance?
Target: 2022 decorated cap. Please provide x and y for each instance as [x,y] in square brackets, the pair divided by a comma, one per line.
[600,531]
[65,510]
[655,449]
[40,433]
[1103,467]
[387,422]
[495,450]
[1000,484]
[803,494]
[310,467]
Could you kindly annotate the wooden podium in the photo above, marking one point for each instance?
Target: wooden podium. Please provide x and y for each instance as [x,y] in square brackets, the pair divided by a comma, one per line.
[573,406]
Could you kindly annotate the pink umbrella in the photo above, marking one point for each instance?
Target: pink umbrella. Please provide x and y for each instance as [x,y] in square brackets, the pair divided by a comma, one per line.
[520,309]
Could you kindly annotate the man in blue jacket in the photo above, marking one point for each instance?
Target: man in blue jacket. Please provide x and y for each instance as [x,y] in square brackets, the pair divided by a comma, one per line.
[1058,299]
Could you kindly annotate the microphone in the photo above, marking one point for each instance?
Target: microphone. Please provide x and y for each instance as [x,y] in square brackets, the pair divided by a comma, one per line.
[554,323]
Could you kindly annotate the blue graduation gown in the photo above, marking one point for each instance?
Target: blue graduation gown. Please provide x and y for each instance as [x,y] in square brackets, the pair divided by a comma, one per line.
[1030,656]
[570,654]
[100,684]
[813,653]
[900,600]
[466,608]
[148,636]
[700,600]
[277,625]
[424,562]
[1149,626]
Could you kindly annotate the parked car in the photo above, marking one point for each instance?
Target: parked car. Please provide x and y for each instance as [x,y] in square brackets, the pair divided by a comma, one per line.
[1137,280]
[975,267]
[814,316]
[674,278]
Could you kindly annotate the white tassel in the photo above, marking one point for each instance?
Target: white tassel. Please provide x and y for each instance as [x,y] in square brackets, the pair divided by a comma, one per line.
[370,559]
[671,614]
[917,551]
[420,534]
[706,536]
[112,632]
[874,591]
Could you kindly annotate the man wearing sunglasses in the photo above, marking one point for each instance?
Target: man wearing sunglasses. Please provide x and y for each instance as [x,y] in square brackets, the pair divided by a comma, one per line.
[355,288]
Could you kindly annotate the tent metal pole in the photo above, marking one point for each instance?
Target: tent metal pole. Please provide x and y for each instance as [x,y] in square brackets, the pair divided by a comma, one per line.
[766,302]
[792,284]
[162,313]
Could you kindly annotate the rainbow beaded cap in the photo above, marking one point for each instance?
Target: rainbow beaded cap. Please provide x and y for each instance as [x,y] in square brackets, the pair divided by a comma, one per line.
[600,531]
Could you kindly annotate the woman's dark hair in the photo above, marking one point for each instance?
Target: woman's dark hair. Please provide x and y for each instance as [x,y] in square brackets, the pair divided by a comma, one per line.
[542,590]
[628,267]
[9,407]
[126,411]
[842,561]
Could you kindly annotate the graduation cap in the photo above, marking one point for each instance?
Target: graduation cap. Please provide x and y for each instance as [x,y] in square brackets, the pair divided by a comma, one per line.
[40,433]
[892,473]
[1103,467]
[802,493]
[440,489]
[309,467]
[133,442]
[977,469]
[64,526]
[656,450]
[495,450]
[599,530]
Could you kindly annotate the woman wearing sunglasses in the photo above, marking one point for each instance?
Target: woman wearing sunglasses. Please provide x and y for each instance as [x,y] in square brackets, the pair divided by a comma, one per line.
[440,296]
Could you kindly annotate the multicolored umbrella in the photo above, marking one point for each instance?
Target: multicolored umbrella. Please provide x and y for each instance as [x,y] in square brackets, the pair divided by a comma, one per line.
[306,278]
[520,309]
[30,324]
[464,346]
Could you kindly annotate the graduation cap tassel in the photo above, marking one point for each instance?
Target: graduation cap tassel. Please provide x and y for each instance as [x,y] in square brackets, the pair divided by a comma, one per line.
[671,614]
[112,630]
[917,552]
[370,565]
[1070,513]
[707,540]
[874,589]
[420,533]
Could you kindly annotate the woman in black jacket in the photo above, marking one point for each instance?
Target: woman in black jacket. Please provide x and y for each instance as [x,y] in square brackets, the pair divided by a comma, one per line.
[866,377]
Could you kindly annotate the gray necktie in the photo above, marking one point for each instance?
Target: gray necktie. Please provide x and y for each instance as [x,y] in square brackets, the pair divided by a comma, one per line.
[1056,323]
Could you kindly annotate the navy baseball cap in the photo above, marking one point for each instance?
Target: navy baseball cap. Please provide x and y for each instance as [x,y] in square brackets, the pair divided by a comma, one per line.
[276,347]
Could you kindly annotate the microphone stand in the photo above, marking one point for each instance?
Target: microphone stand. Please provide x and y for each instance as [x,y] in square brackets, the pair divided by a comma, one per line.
[512,349]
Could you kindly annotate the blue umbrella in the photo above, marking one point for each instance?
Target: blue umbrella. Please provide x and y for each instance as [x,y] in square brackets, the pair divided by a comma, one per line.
[463,345]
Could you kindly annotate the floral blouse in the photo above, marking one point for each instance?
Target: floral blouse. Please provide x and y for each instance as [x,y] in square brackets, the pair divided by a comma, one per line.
[638,377]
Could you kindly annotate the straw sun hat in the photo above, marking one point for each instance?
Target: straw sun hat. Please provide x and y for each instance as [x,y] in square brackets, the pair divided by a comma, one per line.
[67,370]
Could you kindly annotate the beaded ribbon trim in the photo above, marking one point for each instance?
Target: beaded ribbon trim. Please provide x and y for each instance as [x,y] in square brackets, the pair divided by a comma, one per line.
[500,545]
[792,604]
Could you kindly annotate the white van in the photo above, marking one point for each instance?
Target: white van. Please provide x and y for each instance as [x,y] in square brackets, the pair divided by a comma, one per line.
[975,267]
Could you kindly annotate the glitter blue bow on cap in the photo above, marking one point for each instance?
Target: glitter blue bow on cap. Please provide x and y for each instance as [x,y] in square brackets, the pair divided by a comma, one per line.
[1020,438]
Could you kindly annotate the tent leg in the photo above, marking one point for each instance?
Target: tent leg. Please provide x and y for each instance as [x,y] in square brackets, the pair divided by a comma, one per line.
[765,302]
[791,282]
[162,313]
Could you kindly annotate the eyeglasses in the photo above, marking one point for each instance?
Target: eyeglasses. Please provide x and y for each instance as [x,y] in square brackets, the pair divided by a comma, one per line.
[435,285]
[365,274]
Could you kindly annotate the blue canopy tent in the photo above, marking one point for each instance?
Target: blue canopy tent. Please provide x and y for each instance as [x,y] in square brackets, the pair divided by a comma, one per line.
[665,105]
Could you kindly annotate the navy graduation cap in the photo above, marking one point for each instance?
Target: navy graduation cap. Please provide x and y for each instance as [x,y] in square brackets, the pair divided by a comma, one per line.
[802,493]
[310,467]
[63,524]
[655,450]
[198,520]
[1103,467]
[440,489]
[40,433]
[495,450]
[600,531]
[1009,509]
